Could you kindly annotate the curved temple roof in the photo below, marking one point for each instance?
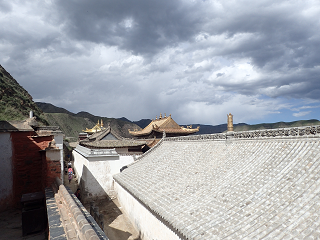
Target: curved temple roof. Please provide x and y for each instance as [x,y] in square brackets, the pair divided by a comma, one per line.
[253,185]
[96,140]
[166,124]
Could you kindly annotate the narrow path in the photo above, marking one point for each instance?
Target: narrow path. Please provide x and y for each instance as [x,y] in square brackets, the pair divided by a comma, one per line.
[117,225]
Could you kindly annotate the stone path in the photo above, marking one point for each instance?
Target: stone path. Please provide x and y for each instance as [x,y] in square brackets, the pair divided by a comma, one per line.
[117,226]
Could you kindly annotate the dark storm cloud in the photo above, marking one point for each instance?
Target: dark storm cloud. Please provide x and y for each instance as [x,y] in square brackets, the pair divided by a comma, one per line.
[142,27]
[178,56]
[5,6]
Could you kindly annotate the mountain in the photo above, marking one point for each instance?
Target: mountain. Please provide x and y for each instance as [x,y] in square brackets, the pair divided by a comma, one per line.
[15,102]
[50,108]
[69,124]
[143,122]
[299,123]
[72,124]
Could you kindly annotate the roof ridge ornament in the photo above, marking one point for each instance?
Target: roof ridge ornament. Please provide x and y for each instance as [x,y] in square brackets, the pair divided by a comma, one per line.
[230,122]
[164,134]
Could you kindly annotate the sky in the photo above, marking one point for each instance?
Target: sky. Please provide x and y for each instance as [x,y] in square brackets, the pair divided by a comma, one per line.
[196,60]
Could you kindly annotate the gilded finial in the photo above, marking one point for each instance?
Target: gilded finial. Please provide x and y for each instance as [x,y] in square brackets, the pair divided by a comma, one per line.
[160,116]
[165,115]
[230,122]
[156,117]
[101,123]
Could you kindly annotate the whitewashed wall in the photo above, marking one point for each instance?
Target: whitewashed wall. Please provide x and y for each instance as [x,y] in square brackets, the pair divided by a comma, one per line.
[5,169]
[95,169]
[147,224]
[59,143]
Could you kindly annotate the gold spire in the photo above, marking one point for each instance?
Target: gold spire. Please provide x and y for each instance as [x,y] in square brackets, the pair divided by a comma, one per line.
[230,122]
[101,123]
[160,116]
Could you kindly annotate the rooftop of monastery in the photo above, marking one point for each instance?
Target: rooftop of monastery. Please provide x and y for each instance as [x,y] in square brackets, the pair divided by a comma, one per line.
[107,138]
[164,124]
[97,128]
[27,125]
[262,184]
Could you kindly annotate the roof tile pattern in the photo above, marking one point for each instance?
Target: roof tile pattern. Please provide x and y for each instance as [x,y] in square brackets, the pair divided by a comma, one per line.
[266,188]
[96,140]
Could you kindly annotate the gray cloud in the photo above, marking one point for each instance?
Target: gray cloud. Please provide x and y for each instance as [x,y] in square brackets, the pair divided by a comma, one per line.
[194,59]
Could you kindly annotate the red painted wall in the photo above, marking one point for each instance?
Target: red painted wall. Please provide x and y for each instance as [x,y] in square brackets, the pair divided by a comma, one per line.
[29,163]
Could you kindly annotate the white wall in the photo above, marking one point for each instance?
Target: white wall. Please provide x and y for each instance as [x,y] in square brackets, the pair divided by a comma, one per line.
[95,169]
[59,143]
[5,168]
[147,224]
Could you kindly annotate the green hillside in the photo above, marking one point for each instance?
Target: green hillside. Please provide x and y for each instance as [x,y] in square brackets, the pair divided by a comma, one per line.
[15,102]
[72,125]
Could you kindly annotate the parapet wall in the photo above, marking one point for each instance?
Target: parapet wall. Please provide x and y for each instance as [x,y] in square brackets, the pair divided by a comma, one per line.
[67,218]
[307,131]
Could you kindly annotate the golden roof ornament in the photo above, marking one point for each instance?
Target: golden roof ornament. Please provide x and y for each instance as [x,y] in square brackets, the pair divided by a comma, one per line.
[230,122]
[160,116]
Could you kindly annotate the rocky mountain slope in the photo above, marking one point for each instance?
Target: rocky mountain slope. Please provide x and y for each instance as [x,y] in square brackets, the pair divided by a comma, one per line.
[15,101]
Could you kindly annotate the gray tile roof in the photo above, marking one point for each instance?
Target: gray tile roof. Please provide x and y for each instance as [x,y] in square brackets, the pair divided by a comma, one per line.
[248,186]
[96,140]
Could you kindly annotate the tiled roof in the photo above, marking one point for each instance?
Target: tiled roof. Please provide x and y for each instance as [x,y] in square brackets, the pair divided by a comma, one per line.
[28,124]
[166,124]
[99,135]
[249,185]
[113,143]
[95,140]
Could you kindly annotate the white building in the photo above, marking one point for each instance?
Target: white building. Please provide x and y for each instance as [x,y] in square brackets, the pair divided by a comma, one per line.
[99,157]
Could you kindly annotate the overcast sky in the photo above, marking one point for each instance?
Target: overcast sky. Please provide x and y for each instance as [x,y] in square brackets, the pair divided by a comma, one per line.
[196,60]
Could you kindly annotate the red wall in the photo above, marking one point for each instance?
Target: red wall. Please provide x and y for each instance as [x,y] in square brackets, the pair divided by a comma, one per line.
[53,169]
[29,163]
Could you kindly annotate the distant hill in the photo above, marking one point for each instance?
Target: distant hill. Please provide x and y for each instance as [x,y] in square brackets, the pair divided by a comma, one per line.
[15,102]
[276,125]
[210,129]
[72,124]
[50,108]
[143,122]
